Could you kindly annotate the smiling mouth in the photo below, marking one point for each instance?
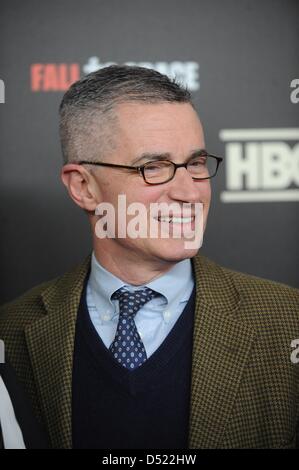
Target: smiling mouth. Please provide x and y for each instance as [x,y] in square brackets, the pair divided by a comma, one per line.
[175,220]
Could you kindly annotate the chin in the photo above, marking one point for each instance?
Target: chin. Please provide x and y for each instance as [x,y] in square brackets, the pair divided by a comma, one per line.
[176,254]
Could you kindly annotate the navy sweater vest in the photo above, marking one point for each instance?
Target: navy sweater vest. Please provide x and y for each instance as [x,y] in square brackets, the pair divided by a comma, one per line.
[147,408]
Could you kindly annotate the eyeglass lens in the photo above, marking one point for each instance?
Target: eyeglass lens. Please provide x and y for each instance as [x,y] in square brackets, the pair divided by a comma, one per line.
[201,166]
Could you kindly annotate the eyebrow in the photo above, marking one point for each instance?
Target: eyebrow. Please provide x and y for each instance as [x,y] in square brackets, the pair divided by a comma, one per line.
[164,156]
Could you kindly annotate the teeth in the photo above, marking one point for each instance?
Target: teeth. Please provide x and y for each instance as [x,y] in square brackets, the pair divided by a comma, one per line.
[176,220]
[181,220]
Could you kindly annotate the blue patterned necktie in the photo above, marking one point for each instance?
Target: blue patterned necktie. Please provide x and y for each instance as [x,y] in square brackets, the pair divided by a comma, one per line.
[127,347]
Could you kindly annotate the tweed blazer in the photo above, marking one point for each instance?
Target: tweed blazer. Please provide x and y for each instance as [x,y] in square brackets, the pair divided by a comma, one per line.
[245,385]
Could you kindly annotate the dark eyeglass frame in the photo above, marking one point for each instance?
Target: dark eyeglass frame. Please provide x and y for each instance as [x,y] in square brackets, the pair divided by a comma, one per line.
[140,169]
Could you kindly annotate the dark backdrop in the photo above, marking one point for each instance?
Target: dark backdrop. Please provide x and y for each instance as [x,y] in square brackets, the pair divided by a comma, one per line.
[238,57]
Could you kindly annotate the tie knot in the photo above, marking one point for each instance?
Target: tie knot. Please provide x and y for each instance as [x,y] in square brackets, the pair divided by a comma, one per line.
[131,302]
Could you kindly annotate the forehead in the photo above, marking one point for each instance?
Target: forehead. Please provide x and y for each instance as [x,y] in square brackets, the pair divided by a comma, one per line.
[159,127]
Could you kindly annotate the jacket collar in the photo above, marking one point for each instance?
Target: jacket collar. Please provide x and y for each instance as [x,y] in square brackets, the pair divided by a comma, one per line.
[50,341]
[221,346]
[220,350]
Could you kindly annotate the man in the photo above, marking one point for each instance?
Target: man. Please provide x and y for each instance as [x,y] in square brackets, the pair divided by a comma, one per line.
[148,344]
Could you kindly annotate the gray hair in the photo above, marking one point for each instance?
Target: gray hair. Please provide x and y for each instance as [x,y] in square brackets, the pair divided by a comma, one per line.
[88,122]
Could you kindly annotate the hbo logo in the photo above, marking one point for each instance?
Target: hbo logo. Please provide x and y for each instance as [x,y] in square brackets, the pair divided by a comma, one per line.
[261,165]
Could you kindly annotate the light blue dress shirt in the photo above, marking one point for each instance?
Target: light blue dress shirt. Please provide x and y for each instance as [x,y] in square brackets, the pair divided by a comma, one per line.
[155,319]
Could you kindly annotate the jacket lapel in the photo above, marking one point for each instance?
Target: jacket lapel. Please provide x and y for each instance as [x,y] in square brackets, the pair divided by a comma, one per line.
[220,351]
[50,341]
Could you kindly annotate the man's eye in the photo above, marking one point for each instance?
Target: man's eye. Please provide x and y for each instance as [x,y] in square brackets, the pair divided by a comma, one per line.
[198,162]
[157,166]
[152,167]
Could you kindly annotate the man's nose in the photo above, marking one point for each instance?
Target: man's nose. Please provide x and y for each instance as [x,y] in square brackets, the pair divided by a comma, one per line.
[183,188]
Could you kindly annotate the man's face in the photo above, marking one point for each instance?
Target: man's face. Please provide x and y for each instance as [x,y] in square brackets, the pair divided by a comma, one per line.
[171,128]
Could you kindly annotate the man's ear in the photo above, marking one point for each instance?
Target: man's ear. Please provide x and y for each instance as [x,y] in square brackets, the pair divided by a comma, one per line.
[81,186]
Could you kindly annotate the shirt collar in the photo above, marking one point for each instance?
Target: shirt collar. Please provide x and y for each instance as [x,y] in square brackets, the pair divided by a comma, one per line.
[173,284]
[102,282]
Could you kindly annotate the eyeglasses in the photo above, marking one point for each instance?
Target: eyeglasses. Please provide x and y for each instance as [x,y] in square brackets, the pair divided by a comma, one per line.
[201,167]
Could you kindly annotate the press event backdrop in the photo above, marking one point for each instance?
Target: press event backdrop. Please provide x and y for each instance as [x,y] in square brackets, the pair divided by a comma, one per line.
[239,59]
